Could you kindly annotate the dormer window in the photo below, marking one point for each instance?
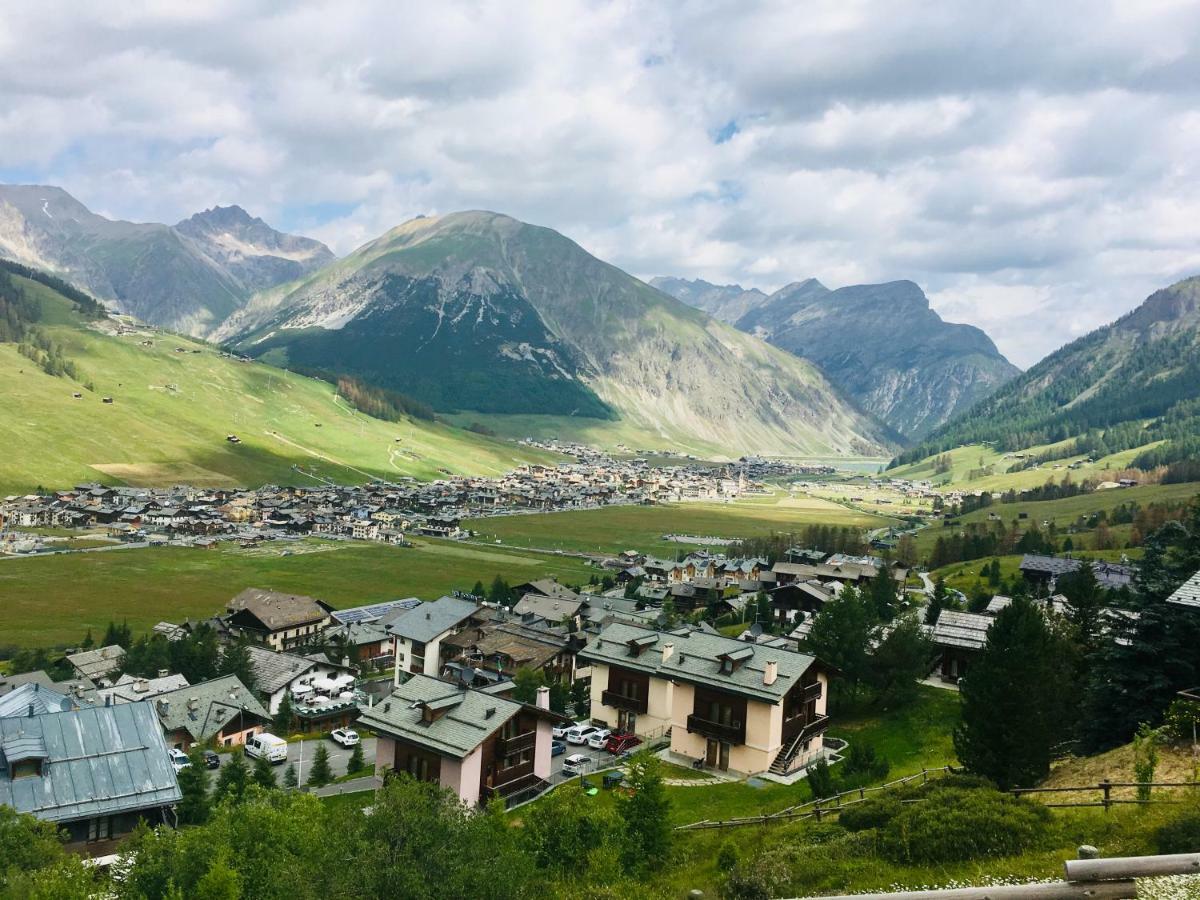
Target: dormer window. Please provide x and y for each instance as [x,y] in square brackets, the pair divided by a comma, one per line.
[732,661]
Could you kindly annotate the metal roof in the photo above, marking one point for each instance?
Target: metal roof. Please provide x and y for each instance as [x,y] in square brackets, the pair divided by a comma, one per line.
[427,621]
[99,761]
[1188,593]
[43,700]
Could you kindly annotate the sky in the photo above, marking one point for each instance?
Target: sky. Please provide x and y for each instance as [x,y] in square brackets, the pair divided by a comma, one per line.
[1034,167]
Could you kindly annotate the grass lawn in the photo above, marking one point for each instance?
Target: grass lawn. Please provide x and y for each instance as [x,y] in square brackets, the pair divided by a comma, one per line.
[53,600]
[615,528]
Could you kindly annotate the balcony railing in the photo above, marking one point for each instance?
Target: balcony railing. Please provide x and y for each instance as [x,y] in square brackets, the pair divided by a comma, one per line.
[517,743]
[811,691]
[815,727]
[731,734]
[620,701]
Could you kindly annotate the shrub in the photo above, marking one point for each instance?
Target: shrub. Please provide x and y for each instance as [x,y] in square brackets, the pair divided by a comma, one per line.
[727,856]
[952,824]
[863,760]
[1182,717]
[1181,834]
[820,779]
[875,813]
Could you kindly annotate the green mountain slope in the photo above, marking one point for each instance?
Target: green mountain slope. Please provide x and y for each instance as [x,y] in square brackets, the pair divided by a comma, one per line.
[175,401]
[880,343]
[188,278]
[1128,384]
[479,312]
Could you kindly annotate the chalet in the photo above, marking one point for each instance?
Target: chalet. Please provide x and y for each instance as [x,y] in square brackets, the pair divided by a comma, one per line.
[552,609]
[49,768]
[368,643]
[98,665]
[419,632]
[275,674]
[503,648]
[469,741]
[738,706]
[958,637]
[1044,571]
[281,621]
[222,711]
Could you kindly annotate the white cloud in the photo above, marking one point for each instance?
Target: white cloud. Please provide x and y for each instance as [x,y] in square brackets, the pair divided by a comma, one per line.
[1036,174]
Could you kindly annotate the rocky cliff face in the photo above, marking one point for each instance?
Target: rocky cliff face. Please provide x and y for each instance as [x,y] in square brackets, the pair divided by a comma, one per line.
[725,302]
[190,277]
[885,347]
[478,311]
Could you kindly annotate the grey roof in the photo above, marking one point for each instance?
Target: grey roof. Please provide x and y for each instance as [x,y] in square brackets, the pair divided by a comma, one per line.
[961,629]
[553,608]
[372,612]
[1051,565]
[1188,593]
[203,709]
[427,621]
[99,761]
[465,724]
[359,633]
[131,689]
[99,662]
[275,670]
[12,682]
[552,588]
[697,658]
[43,700]
[278,611]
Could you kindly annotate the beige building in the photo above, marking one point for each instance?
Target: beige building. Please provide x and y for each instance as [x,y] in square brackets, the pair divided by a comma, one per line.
[739,706]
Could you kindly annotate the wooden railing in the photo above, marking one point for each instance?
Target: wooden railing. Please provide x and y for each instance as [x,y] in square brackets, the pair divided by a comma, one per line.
[1094,879]
[732,734]
[1105,788]
[821,807]
[516,743]
[620,701]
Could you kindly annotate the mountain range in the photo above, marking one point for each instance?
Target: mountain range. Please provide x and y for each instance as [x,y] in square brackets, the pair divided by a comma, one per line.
[188,277]
[1126,385]
[881,343]
[478,311]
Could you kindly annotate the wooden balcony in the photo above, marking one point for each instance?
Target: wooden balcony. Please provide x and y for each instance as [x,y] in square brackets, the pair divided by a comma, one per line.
[515,744]
[730,734]
[815,727]
[811,691]
[620,701]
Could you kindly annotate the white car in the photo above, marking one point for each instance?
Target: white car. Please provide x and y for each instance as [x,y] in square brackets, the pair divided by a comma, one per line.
[561,728]
[179,760]
[597,739]
[579,734]
[576,764]
[347,737]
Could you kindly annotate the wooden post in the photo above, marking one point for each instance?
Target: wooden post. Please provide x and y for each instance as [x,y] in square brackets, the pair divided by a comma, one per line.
[1106,786]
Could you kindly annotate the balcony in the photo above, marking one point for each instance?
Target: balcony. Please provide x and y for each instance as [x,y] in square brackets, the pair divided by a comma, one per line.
[730,734]
[811,691]
[815,727]
[620,701]
[515,744]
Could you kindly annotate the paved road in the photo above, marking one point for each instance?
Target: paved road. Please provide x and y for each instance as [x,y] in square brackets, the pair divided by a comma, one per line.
[339,756]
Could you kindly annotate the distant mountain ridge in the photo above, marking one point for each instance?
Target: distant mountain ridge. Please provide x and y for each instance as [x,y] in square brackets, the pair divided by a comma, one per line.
[1127,384]
[881,343]
[189,277]
[478,311]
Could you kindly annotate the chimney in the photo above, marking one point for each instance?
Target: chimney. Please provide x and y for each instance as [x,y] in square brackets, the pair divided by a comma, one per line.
[543,697]
[141,686]
[164,707]
[163,673]
[771,673]
[31,710]
[108,699]
[193,703]
[668,649]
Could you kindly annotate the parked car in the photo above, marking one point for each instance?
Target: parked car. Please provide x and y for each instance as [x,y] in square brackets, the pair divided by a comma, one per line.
[560,729]
[576,764]
[621,743]
[557,748]
[597,739]
[347,737]
[179,760]
[579,734]
[268,746]
[211,760]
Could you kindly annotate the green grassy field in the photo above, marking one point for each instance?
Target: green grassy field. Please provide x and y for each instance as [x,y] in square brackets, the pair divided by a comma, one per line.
[171,412]
[53,600]
[615,528]
[968,465]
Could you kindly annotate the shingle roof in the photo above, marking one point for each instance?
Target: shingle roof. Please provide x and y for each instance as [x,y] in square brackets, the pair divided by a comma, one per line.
[276,610]
[553,608]
[427,621]
[961,629]
[697,658]
[464,725]
[1188,593]
[100,761]
[99,662]
[275,670]
[131,689]
[216,702]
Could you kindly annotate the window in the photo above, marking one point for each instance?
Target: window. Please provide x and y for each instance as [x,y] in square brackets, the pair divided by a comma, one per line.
[27,768]
[100,829]
[520,758]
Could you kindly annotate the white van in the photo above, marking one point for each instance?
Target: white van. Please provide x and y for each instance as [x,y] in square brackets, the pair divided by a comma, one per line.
[272,749]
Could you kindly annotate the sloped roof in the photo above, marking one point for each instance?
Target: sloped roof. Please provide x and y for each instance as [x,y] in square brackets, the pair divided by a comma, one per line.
[276,610]
[553,608]
[465,724]
[697,658]
[99,761]
[373,612]
[131,689]
[425,622]
[961,629]
[99,662]
[275,670]
[216,702]
[1188,593]
[43,700]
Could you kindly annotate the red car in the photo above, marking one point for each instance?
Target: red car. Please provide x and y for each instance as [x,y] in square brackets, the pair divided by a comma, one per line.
[620,743]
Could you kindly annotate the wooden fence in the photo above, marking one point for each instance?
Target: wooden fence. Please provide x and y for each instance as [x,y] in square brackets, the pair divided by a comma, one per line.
[1094,879]
[821,807]
[1105,789]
